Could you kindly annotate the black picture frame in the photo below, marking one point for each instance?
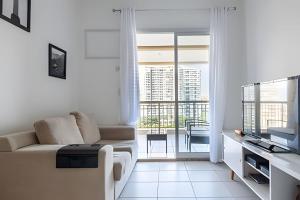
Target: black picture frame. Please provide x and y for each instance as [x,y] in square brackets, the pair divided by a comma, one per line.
[14,16]
[57,62]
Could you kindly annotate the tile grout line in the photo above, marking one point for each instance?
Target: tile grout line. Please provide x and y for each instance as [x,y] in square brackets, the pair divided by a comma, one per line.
[190,180]
[158,181]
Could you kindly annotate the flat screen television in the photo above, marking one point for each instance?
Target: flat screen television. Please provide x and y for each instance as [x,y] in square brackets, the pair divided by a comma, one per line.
[271,111]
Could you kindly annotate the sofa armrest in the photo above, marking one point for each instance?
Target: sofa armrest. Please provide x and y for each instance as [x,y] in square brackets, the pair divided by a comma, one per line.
[31,174]
[117,133]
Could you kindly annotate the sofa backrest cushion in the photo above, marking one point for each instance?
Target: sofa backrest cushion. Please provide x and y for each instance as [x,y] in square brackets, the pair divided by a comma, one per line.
[59,130]
[88,127]
[12,142]
[117,133]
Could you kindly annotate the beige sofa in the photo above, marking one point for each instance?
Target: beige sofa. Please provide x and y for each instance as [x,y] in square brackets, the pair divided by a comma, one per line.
[28,169]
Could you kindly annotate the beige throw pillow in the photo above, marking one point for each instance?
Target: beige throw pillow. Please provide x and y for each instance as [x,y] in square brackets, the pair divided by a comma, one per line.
[59,130]
[88,127]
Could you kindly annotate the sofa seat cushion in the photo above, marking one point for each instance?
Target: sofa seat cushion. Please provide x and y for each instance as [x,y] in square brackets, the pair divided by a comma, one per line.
[122,162]
[88,127]
[120,145]
[59,130]
[117,142]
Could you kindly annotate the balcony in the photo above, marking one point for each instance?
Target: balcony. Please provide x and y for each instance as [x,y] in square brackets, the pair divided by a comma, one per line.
[158,117]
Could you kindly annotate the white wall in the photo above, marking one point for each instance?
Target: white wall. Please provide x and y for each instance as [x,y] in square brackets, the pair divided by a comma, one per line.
[27,93]
[270,51]
[272,36]
[99,79]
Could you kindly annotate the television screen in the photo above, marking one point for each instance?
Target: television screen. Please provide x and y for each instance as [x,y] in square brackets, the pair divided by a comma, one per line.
[249,109]
[270,111]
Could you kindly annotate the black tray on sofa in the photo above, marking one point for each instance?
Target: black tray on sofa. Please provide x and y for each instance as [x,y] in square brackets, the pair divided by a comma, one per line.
[78,156]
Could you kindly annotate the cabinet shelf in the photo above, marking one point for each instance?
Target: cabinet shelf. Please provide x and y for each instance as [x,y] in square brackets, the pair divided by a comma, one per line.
[258,170]
[261,190]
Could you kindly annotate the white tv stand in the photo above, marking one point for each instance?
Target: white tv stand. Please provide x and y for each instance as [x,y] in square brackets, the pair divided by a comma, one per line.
[284,168]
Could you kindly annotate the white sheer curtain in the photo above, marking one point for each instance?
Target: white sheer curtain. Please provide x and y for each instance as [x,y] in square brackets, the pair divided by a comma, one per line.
[129,75]
[218,80]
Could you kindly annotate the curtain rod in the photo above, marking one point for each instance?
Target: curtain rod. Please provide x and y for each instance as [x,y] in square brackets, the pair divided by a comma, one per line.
[193,9]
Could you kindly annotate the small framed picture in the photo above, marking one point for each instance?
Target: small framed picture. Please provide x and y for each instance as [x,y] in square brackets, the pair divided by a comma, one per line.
[57,62]
[16,12]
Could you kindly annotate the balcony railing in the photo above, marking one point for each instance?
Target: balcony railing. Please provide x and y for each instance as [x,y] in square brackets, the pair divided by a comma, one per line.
[161,114]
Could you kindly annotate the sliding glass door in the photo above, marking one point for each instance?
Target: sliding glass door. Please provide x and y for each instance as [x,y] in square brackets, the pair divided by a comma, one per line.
[191,95]
[174,110]
[156,128]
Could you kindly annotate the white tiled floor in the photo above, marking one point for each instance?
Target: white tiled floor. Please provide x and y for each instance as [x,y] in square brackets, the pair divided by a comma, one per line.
[193,180]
